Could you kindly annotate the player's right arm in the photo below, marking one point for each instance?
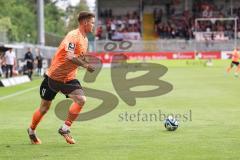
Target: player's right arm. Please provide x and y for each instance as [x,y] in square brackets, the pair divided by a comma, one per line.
[76,58]
[80,61]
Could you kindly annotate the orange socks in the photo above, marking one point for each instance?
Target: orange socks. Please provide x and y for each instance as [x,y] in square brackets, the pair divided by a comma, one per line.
[73,113]
[37,116]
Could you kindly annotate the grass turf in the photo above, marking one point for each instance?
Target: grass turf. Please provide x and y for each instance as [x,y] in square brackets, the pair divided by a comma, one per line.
[213,132]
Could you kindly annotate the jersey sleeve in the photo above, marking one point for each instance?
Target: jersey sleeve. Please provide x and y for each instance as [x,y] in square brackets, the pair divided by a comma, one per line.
[70,43]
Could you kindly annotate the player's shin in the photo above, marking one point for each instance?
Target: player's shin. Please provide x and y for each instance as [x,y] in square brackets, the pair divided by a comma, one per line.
[73,113]
[36,118]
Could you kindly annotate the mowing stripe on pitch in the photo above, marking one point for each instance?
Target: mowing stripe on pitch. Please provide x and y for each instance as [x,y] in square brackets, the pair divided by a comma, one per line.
[18,93]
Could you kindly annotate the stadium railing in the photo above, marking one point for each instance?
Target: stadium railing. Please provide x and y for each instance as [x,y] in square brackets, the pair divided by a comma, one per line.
[169,45]
[144,46]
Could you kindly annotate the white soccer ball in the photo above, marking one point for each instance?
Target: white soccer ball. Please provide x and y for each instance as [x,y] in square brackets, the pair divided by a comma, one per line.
[171,124]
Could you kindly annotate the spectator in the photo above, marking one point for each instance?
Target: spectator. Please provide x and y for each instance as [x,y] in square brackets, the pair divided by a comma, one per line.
[29,60]
[99,32]
[10,61]
[39,59]
[207,12]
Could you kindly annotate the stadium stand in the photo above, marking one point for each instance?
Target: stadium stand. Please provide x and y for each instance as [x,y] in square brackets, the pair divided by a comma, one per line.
[113,24]
[164,19]
[179,23]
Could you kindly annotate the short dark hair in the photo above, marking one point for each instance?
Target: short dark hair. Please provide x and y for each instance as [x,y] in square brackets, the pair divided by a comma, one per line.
[85,15]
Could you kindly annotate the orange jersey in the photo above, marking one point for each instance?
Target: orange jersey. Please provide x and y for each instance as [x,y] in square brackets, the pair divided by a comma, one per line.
[235,56]
[61,68]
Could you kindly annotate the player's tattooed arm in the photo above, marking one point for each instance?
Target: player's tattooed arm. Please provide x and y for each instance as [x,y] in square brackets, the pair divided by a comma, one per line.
[81,61]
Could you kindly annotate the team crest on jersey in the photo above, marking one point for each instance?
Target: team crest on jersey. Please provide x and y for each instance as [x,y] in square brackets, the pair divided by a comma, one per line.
[71,47]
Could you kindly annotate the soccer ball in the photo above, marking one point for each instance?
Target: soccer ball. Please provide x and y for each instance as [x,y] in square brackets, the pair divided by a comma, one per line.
[171,124]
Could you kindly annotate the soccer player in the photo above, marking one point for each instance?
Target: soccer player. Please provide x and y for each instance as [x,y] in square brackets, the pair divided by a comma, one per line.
[235,61]
[61,76]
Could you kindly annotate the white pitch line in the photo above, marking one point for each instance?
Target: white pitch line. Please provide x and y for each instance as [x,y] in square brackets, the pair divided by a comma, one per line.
[18,93]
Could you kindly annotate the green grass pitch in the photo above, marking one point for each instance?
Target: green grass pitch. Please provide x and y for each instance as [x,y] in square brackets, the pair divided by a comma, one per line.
[212,134]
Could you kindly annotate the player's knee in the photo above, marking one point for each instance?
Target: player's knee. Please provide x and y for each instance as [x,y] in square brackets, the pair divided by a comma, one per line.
[81,100]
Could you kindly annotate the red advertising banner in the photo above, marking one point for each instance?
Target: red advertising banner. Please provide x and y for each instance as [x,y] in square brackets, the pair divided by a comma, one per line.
[211,55]
[184,55]
[107,57]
